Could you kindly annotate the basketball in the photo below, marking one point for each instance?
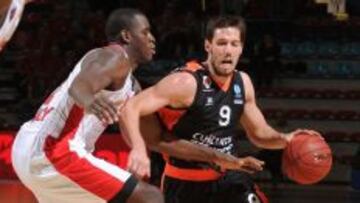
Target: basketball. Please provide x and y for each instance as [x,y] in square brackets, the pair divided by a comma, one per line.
[307,159]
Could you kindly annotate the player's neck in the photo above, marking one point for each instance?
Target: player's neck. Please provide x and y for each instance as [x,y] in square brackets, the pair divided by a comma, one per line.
[131,57]
[220,79]
[128,56]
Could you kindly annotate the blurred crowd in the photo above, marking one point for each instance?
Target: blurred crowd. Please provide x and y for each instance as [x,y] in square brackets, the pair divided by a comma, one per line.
[54,35]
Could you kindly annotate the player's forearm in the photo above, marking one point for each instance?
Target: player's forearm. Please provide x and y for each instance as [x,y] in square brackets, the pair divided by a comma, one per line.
[129,123]
[185,150]
[268,138]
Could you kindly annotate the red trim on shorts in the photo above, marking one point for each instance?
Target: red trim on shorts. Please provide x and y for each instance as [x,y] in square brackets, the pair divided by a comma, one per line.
[78,169]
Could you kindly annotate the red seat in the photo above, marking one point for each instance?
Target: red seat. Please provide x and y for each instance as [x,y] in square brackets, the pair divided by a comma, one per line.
[356,137]
[346,115]
[322,114]
[297,114]
[353,94]
[335,136]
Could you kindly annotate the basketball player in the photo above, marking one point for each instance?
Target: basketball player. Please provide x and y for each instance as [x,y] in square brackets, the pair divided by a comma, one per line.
[52,152]
[203,103]
[10,15]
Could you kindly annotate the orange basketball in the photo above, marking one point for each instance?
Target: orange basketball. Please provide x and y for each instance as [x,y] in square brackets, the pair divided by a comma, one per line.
[307,159]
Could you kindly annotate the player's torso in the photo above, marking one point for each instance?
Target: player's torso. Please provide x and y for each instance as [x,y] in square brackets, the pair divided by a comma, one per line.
[59,115]
[212,118]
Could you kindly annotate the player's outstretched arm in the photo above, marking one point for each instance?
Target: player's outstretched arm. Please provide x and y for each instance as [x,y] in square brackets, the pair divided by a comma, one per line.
[160,141]
[162,94]
[256,127]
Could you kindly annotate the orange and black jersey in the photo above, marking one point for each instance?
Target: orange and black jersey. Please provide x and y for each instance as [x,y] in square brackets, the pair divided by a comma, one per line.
[212,118]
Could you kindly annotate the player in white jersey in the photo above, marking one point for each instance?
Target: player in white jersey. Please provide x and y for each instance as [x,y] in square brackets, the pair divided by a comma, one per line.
[52,152]
[10,15]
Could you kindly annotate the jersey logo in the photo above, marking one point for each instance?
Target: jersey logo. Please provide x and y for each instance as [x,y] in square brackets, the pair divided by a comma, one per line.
[207,83]
[237,91]
[237,94]
[209,101]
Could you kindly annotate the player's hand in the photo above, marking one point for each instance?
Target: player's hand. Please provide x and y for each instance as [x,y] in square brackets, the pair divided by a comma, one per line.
[289,136]
[104,109]
[139,163]
[250,164]
[247,164]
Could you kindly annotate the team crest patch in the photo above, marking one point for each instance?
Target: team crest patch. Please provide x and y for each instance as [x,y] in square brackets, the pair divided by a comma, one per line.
[237,91]
[206,82]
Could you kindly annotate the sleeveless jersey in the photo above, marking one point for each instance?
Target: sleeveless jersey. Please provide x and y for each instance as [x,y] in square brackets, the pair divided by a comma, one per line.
[60,118]
[212,118]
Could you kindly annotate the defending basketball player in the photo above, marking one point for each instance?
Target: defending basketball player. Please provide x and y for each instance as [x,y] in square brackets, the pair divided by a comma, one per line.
[52,153]
[203,103]
[10,15]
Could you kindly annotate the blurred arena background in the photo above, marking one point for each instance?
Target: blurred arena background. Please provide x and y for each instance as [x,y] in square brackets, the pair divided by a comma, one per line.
[303,56]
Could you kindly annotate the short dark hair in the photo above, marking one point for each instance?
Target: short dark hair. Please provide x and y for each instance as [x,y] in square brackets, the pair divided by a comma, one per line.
[224,22]
[120,19]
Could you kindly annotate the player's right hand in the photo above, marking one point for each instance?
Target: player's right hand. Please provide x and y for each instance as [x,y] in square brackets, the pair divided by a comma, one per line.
[248,164]
[139,163]
[104,109]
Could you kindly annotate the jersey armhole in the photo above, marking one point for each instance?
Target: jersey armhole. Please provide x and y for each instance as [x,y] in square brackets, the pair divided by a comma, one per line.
[242,84]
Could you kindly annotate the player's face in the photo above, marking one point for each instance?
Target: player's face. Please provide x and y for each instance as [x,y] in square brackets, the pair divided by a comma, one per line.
[142,39]
[224,50]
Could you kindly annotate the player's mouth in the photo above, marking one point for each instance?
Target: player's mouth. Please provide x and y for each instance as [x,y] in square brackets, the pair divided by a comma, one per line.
[152,49]
[227,62]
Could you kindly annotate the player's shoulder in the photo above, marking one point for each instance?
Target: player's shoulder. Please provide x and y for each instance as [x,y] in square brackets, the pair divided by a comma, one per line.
[104,55]
[180,79]
[245,78]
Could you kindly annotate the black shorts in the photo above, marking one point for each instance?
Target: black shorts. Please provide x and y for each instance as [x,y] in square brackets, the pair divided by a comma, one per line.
[233,187]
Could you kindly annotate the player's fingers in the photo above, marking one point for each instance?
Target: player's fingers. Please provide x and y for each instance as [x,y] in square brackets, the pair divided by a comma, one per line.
[144,172]
[313,132]
[108,110]
[96,109]
[102,114]
[111,108]
[254,163]
[307,131]
[253,166]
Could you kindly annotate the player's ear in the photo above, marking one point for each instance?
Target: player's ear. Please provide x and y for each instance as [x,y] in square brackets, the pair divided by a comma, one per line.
[125,36]
[207,45]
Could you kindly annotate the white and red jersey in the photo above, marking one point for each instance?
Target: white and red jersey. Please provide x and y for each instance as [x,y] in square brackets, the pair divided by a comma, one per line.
[52,153]
[59,115]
